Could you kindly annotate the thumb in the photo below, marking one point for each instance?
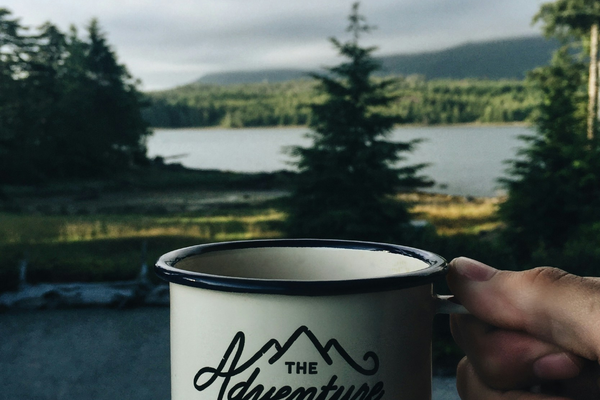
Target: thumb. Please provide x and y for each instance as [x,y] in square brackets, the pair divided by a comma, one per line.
[547,303]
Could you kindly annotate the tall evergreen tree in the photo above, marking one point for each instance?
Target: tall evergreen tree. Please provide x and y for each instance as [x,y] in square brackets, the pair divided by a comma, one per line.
[98,85]
[554,188]
[550,190]
[349,176]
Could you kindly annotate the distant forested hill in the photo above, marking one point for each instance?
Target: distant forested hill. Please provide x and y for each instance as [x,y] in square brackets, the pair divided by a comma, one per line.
[475,82]
[498,59]
[286,103]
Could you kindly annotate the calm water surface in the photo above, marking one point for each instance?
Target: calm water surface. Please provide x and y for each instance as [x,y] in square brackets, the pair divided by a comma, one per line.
[100,354]
[464,160]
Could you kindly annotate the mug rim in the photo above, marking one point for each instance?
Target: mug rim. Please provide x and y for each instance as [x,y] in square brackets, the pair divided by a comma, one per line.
[166,269]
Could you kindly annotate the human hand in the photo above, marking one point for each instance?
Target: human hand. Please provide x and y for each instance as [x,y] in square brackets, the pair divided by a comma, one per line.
[531,335]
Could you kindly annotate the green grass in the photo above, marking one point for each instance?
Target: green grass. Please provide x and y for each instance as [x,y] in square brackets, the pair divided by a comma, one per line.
[455,215]
[34,229]
[109,247]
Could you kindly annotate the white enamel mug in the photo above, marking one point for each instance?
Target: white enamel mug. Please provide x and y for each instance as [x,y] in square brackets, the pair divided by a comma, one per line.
[301,320]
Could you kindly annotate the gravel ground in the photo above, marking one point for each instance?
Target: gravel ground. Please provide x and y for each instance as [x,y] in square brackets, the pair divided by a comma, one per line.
[96,354]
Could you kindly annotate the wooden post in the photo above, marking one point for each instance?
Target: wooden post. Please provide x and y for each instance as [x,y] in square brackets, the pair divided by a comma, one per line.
[143,276]
[23,273]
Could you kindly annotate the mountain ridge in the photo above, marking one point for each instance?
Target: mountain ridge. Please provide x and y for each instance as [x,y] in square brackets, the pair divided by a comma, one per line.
[508,58]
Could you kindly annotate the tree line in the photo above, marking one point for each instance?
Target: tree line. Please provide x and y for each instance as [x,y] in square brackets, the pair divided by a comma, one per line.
[68,109]
[417,101]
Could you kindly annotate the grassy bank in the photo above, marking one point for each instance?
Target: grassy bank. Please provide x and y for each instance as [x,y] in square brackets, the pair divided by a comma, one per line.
[85,246]
[95,230]
[455,215]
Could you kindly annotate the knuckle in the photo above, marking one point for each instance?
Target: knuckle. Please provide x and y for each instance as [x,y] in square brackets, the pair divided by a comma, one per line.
[544,276]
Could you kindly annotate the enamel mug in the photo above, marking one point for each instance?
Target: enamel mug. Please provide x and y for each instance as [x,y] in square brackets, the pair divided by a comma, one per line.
[301,320]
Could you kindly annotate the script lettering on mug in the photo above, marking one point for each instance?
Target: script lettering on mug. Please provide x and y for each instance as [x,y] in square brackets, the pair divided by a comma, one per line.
[228,372]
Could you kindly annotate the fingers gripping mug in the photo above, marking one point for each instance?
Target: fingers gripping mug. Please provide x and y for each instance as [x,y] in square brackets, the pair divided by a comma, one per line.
[301,320]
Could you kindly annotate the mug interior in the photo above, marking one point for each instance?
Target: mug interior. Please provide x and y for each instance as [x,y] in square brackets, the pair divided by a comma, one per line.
[301,264]
[300,267]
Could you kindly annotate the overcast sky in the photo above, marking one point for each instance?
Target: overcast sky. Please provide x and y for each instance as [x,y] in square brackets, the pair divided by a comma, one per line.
[166,43]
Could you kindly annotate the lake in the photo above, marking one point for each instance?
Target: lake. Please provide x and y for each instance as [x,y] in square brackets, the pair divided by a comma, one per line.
[464,160]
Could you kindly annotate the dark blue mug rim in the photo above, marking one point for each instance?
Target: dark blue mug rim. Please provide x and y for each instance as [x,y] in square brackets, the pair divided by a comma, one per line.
[166,269]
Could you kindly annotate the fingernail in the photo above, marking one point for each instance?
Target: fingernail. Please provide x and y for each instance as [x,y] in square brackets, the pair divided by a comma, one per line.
[473,270]
[556,366]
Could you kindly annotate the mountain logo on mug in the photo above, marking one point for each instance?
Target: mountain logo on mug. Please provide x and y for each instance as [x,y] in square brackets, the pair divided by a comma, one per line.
[242,380]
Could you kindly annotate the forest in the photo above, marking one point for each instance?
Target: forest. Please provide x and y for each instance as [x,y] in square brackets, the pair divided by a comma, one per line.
[68,108]
[419,101]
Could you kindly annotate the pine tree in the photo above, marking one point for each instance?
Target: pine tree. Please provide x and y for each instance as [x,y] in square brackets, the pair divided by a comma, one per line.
[553,199]
[537,211]
[554,186]
[348,177]
[102,105]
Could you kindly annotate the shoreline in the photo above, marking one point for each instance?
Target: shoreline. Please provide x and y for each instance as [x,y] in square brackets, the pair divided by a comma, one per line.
[173,201]
[399,126]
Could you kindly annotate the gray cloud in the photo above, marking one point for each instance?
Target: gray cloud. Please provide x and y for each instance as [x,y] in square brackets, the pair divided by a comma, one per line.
[166,43]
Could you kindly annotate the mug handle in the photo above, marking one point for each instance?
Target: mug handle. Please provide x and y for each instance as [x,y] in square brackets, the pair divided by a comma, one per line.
[445,305]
